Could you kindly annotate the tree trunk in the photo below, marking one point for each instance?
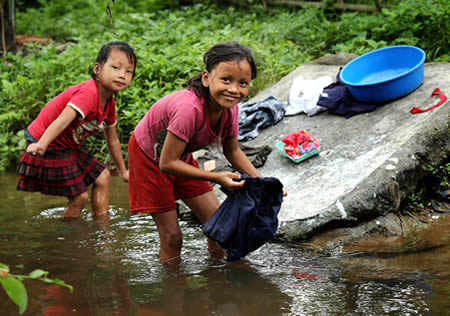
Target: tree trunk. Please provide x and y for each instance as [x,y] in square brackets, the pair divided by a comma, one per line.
[7,25]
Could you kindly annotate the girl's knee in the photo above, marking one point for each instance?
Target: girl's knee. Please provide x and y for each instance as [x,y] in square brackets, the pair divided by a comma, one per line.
[80,200]
[104,178]
[173,239]
[84,197]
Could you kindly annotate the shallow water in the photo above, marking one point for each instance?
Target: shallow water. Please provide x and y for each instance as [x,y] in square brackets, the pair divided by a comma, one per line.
[114,269]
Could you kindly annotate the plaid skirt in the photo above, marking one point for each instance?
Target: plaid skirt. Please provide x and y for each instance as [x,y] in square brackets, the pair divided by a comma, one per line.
[60,171]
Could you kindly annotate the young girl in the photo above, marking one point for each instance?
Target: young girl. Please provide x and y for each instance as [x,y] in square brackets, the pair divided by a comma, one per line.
[54,163]
[162,168]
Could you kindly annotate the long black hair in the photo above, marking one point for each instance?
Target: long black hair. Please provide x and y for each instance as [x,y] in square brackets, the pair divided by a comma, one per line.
[227,51]
[106,49]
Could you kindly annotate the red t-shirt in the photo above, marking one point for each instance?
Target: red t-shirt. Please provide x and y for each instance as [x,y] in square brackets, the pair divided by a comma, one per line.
[85,100]
[185,115]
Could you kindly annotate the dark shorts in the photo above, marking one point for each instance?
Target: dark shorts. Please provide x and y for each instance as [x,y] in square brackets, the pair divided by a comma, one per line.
[151,190]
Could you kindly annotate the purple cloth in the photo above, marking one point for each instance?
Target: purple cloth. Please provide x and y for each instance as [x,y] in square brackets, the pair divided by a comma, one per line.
[338,100]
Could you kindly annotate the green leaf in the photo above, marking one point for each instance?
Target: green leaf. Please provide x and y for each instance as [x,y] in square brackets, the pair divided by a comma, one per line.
[58,282]
[38,273]
[4,267]
[16,292]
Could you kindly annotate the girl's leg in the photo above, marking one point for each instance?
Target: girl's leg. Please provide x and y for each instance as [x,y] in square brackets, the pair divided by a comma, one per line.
[170,237]
[100,194]
[204,206]
[76,204]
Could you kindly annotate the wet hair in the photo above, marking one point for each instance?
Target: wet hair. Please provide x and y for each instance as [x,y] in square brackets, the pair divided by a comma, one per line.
[106,49]
[221,52]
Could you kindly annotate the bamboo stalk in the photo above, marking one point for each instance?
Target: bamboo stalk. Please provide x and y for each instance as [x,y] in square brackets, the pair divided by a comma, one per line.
[3,26]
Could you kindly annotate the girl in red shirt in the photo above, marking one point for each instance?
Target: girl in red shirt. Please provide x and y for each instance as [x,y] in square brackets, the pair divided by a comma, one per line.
[54,163]
[162,168]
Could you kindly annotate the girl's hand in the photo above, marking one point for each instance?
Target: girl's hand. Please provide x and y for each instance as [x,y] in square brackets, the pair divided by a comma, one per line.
[36,149]
[124,176]
[225,179]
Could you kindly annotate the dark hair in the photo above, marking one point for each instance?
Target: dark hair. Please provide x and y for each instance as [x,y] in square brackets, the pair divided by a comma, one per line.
[227,51]
[105,51]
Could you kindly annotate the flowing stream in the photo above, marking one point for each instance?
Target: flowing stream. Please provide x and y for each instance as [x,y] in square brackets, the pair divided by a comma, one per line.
[114,268]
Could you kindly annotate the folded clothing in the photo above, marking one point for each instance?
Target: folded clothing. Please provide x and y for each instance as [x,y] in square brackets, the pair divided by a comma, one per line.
[300,143]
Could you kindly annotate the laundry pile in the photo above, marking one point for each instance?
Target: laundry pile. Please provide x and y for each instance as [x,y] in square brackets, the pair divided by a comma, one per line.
[299,146]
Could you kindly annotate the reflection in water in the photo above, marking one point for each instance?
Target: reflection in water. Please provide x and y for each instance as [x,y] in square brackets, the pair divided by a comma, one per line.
[223,290]
[114,268]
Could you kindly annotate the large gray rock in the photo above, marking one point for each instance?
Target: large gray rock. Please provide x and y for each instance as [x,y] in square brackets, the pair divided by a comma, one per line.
[368,164]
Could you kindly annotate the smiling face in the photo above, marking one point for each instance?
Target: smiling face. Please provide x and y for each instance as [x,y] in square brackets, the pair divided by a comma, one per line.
[228,83]
[116,73]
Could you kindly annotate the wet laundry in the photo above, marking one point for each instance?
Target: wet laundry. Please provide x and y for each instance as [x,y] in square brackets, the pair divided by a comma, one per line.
[338,100]
[247,219]
[254,116]
[256,155]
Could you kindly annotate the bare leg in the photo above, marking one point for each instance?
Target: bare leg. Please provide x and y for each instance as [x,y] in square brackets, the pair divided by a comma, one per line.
[103,222]
[204,206]
[100,194]
[76,204]
[170,237]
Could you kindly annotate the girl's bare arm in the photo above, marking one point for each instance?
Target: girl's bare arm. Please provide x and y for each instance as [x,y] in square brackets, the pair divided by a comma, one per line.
[237,157]
[52,131]
[170,163]
[114,148]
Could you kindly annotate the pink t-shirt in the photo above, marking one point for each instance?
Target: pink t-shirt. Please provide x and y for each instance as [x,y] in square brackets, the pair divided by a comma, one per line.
[185,115]
[84,99]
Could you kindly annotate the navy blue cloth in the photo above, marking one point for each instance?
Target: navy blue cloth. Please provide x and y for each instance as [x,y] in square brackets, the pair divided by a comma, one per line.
[254,116]
[247,219]
[337,98]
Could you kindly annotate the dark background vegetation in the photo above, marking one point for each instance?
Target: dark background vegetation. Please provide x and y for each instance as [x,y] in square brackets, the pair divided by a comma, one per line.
[170,38]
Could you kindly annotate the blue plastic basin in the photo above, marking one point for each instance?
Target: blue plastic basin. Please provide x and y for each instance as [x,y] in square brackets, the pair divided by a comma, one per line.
[384,74]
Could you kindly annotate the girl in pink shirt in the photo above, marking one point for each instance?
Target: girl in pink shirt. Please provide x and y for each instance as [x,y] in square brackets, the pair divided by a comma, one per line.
[162,168]
[54,163]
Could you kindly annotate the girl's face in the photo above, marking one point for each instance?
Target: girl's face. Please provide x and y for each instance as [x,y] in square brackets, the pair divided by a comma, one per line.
[116,73]
[228,82]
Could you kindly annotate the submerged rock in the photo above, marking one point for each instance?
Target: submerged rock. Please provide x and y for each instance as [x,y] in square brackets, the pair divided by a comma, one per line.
[389,234]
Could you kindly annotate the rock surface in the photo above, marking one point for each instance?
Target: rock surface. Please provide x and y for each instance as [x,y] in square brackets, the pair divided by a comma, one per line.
[347,198]
[368,163]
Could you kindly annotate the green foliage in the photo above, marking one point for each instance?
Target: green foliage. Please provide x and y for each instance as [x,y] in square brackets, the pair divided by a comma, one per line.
[170,40]
[14,288]
[416,201]
[442,175]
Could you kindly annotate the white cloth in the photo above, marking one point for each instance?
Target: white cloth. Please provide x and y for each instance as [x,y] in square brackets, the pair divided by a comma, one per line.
[304,94]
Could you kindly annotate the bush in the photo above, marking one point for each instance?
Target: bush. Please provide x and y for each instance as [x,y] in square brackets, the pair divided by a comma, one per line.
[170,43]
